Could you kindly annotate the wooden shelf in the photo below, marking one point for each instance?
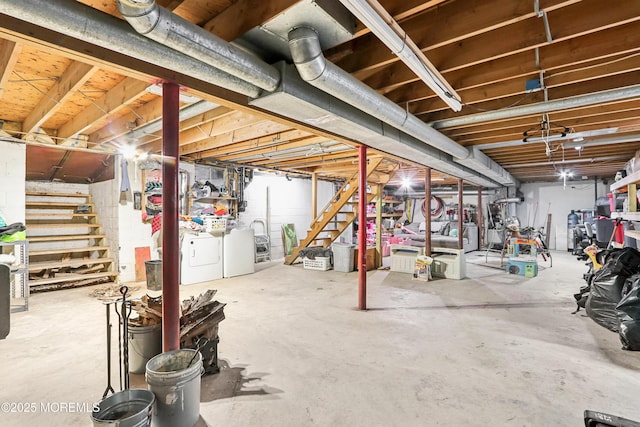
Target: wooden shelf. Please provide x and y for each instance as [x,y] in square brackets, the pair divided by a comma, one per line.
[635,234]
[629,216]
[213,199]
[621,186]
[69,250]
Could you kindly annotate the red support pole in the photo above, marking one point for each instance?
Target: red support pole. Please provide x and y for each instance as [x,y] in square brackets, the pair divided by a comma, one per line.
[460,215]
[427,212]
[362,228]
[480,220]
[170,248]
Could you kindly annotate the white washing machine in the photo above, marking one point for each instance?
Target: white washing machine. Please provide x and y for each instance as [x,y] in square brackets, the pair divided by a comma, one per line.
[239,252]
[201,258]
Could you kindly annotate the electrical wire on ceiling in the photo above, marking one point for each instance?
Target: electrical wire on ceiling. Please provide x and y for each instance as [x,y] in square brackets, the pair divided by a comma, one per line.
[513,104]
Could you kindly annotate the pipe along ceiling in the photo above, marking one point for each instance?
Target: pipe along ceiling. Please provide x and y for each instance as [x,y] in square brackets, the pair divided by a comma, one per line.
[195,52]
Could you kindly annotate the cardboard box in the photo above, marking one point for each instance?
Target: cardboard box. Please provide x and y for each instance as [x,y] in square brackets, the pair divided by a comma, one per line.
[372,259]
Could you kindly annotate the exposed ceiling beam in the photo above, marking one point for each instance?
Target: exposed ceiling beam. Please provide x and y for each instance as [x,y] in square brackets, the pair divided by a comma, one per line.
[250,132]
[243,15]
[9,52]
[126,91]
[76,75]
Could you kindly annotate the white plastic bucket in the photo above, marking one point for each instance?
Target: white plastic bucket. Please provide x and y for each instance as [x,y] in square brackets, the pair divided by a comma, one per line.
[174,378]
[126,408]
[144,343]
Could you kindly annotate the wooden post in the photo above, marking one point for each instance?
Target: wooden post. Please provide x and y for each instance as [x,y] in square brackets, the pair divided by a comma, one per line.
[314,195]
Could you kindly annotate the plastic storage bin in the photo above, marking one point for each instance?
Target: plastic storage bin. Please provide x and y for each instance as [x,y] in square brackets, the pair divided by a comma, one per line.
[319,263]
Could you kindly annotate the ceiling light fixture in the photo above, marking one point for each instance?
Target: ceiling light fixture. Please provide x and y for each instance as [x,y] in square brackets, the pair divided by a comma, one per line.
[381,23]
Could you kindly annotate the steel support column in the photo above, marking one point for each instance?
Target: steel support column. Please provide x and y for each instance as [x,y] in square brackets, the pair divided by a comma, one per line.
[362,227]
[480,220]
[460,213]
[170,248]
[427,212]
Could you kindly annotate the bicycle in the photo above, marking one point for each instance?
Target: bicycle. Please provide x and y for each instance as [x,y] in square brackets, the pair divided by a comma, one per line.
[538,236]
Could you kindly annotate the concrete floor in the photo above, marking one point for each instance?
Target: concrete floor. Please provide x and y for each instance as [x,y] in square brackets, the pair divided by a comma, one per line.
[494,349]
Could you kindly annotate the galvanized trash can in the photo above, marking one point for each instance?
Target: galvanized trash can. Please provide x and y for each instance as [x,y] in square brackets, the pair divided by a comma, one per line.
[174,378]
[126,408]
[144,343]
[153,268]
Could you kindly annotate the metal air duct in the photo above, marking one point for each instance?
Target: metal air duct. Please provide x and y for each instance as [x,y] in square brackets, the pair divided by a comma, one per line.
[543,107]
[315,69]
[165,27]
[295,99]
[83,22]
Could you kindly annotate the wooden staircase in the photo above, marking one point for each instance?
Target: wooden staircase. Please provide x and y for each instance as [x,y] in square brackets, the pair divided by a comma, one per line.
[67,247]
[320,234]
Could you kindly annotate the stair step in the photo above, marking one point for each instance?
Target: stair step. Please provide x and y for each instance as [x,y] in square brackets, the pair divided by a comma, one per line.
[67,237]
[46,215]
[57,226]
[70,277]
[42,204]
[43,194]
[73,262]
[68,250]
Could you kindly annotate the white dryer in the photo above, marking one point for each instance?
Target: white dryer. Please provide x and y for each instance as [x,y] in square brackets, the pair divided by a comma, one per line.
[239,252]
[201,258]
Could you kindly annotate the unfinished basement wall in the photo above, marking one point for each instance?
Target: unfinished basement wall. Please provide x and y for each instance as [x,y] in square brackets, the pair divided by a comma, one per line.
[290,203]
[558,200]
[105,199]
[12,181]
[133,232]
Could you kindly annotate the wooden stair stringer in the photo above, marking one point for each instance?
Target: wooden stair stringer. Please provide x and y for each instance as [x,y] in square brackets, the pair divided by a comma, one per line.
[332,209]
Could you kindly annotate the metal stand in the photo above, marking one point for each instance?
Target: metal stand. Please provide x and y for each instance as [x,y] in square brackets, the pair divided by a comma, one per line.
[109,387]
[123,337]
[262,242]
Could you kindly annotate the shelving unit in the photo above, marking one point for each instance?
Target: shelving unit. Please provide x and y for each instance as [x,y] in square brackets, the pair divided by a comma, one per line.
[19,282]
[629,185]
[231,203]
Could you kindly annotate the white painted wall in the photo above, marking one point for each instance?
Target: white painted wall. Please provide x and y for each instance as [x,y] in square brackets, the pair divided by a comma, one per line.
[557,200]
[12,181]
[105,199]
[290,202]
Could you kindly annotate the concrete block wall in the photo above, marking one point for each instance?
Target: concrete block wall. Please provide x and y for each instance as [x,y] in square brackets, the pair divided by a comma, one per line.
[105,200]
[290,203]
[12,181]
[558,200]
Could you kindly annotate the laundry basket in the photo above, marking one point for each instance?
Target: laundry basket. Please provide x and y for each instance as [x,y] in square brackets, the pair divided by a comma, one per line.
[262,242]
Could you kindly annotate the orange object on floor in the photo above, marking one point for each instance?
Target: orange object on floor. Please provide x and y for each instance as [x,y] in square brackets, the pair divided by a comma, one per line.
[142,254]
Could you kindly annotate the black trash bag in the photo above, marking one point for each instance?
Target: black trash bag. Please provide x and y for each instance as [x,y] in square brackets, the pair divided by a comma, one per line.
[606,293]
[630,333]
[581,297]
[629,305]
[625,261]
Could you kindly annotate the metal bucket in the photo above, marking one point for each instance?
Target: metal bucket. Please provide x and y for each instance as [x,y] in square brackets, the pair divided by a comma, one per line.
[126,408]
[144,343]
[174,378]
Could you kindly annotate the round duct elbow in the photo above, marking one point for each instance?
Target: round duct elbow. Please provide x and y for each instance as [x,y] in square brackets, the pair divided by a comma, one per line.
[306,52]
[142,15]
